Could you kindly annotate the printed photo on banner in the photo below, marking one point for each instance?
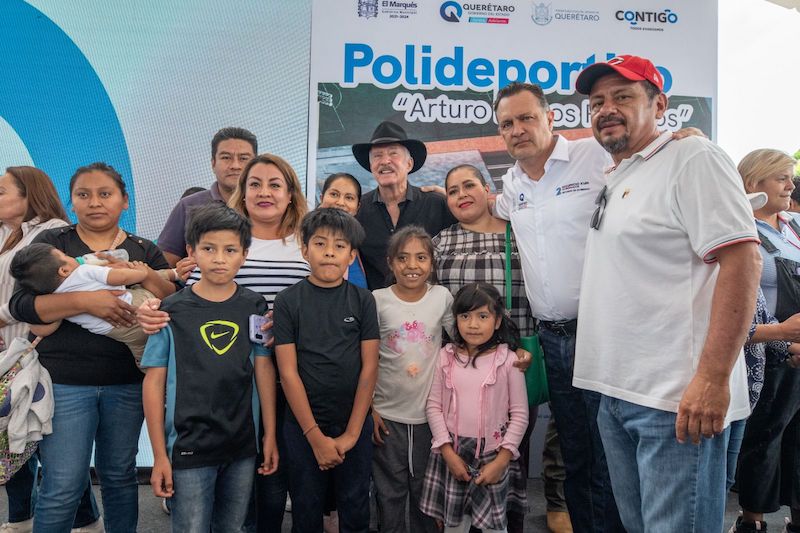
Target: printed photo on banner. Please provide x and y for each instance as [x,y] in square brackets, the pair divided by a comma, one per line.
[434,69]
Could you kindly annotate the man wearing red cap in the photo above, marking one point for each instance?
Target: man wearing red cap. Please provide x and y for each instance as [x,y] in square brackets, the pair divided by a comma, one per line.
[667,296]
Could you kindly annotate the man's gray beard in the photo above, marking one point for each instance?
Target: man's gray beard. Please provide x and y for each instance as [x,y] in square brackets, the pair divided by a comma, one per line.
[616,146]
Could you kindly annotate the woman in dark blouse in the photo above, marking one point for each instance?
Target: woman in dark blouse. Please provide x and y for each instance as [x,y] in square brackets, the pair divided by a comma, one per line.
[96,384]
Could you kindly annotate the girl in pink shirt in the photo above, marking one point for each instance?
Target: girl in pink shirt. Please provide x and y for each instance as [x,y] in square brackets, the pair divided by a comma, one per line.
[477,411]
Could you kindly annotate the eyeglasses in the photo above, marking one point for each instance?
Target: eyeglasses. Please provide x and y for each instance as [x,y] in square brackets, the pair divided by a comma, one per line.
[600,202]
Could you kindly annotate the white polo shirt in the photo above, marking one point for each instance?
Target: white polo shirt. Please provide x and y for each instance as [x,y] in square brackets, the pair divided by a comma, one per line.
[650,273]
[551,218]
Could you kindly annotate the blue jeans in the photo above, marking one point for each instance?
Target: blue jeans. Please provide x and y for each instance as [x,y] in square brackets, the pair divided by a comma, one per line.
[212,498]
[110,417]
[662,485]
[587,488]
[22,491]
[308,485]
[734,446]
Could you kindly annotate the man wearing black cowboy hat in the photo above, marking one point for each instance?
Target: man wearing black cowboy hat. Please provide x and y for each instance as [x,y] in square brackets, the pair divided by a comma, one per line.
[391,156]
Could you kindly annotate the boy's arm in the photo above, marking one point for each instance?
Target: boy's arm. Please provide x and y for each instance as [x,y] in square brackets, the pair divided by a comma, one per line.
[265,384]
[125,276]
[154,282]
[363,399]
[153,393]
[324,447]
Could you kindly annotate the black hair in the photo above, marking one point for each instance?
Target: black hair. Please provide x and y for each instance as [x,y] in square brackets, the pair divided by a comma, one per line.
[516,87]
[217,216]
[399,239]
[334,220]
[796,191]
[106,169]
[650,89]
[192,190]
[333,177]
[475,171]
[233,133]
[35,267]
[473,296]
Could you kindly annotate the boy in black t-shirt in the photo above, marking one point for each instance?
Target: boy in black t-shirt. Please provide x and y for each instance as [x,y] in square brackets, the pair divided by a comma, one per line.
[326,344]
[202,366]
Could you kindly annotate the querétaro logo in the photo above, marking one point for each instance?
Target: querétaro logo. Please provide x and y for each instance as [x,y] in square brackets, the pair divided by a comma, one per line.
[635,18]
[541,13]
[451,11]
[219,335]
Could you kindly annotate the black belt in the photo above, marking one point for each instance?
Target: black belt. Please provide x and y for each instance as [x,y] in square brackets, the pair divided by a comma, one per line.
[565,328]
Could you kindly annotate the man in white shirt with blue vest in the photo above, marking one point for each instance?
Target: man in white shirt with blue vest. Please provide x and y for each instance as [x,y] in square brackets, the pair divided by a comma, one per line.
[668,293]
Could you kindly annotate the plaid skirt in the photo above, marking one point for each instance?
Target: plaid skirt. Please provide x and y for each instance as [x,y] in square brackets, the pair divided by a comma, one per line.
[448,499]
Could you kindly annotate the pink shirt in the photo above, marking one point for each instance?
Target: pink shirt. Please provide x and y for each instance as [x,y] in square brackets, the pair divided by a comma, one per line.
[489,401]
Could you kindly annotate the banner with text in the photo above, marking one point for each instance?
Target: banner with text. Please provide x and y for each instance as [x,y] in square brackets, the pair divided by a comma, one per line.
[434,67]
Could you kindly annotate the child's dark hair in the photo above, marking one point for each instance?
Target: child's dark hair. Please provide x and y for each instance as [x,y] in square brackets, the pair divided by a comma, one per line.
[192,190]
[35,267]
[399,240]
[217,216]
[473,296]
[334,220]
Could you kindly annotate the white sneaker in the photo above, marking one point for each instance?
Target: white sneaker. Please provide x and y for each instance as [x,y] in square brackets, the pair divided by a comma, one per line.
[17,527]
[94,527]
[786,522]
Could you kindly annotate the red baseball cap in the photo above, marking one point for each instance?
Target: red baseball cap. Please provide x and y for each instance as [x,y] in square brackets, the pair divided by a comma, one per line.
[633,68]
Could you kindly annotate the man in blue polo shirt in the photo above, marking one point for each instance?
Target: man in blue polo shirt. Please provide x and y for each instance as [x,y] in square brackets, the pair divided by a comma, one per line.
[231,149]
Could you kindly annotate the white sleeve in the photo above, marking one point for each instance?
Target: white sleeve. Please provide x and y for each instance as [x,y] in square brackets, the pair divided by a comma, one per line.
[502,209]
[448,321]
[710,203]
[95,273]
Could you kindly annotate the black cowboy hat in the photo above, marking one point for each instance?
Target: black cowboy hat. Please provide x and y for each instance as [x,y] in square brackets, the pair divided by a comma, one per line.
[390,133]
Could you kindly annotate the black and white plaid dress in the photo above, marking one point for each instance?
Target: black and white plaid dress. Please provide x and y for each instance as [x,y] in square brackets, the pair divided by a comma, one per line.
[448,499]
[464,257]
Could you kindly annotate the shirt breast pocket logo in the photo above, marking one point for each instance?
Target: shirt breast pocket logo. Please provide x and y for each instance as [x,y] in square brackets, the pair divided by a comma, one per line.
[521,203]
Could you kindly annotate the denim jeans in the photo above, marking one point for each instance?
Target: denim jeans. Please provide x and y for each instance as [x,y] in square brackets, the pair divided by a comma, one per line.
[587,487]
[308,484]
[22,490]
[662,485]
[110,417]
[734,446]
[212,498]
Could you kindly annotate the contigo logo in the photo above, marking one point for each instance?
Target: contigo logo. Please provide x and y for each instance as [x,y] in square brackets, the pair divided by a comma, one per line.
[635,18]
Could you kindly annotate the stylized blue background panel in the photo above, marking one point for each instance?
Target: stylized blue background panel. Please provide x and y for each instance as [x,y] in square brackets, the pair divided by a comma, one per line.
[55,102]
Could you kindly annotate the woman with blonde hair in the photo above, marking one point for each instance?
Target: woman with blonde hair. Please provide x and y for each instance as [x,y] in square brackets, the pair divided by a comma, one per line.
[769,462]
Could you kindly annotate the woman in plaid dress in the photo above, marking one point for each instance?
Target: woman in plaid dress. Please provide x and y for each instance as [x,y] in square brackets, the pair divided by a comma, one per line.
[477,411]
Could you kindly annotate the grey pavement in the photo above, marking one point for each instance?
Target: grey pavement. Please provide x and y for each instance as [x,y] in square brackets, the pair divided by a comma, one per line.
[153,520]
